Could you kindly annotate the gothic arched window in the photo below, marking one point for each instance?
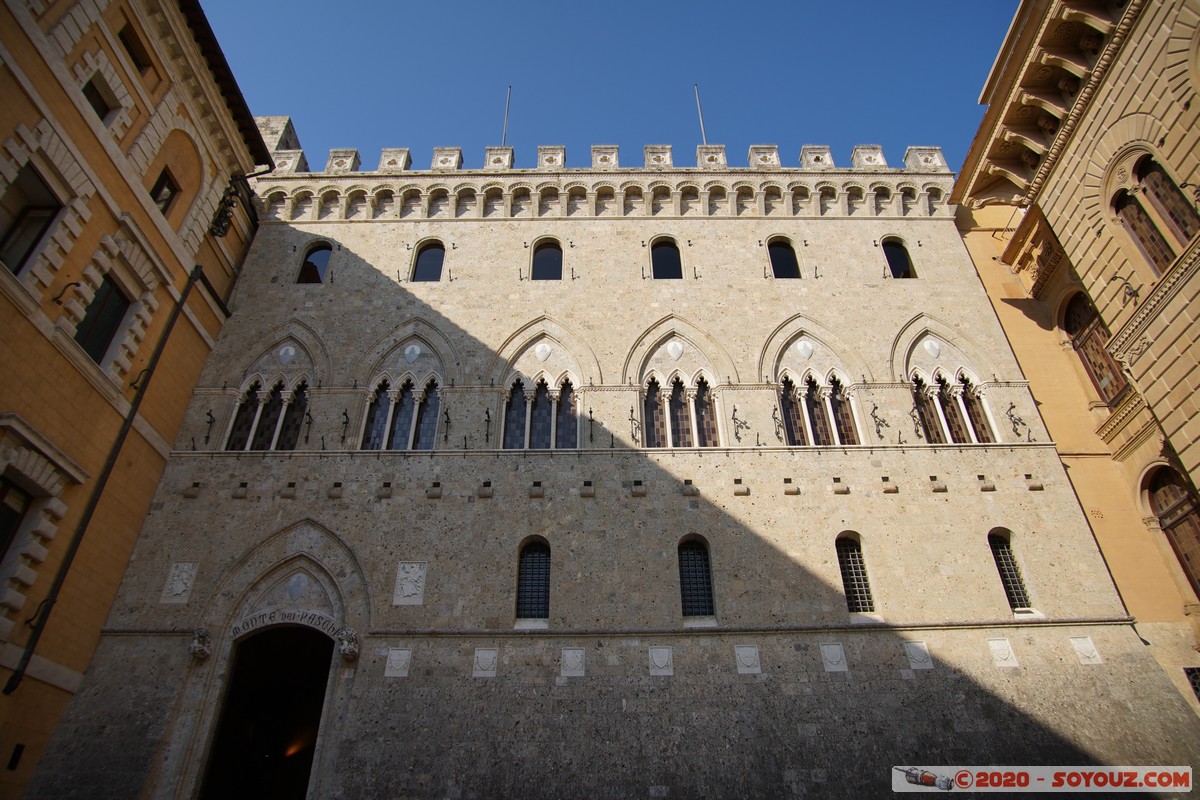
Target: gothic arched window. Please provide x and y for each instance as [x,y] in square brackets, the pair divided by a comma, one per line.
[377,417]
[514,417]
[783,258]
[665,261]
[706,416]
[268,419]
[425,429]
[843,414]
[976,414]
[695,579]
[404,414]
[540,416]
[814,404]
[681,419]
[654,423]
[428,265]
[1088,335]
[925,403]
[793,414]
[243,421]
[566,428]
[316,262]
[293,418]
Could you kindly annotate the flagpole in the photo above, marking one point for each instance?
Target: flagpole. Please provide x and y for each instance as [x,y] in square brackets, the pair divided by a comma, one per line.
[504,136]
[700,111]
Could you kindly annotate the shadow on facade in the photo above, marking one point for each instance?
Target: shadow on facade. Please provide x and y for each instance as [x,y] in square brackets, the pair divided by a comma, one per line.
[785,719]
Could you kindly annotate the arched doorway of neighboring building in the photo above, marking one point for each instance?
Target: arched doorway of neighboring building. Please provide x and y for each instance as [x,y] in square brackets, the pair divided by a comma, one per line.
[1178,514]
[267,732]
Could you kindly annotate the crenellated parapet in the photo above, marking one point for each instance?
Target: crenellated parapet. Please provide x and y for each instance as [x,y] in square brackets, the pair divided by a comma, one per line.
[658,188]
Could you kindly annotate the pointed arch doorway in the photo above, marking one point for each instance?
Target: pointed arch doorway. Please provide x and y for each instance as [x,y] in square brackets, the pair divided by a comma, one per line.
[267,733]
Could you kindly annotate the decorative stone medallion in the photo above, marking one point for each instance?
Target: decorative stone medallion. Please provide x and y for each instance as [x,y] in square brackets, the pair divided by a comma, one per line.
[805,348]
[918,655]
[484,665]
[572,662]
[286,354]
[661,662]
[933,348]
[178,586]
[542,351]
[1086,650]
[747,659]
[398,661]
[674,349]
[410,583]
[412,353]
[833,656]
[1002,653]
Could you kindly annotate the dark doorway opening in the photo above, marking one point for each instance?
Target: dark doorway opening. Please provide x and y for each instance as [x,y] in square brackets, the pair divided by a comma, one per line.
[268,727]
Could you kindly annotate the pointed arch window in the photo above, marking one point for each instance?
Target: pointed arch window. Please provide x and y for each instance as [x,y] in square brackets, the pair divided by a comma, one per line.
[952,411]
[681,420]
[925,405]
[898,259]
[541,414]
[425,428]
[695,579]
[428,264]
[665,261]
[1088,335]
[404,415]
[547,261]
[315,264]
[293,418]
[264,432]
[972,400]
[654,422]
[377,417]
[843,414]
[855,583]
[1010,573]
[1178,512]
[705,415]
[814,404]
[783,258]
[533,581]
[566,429]
[243,421]
[793,414]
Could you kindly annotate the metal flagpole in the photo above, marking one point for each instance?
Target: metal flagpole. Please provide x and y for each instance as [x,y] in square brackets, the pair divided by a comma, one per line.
[504,136]
[700,111]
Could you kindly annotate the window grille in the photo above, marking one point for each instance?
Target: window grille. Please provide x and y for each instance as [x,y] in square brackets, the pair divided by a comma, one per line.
[1088,335]
[102,319]
[540,415]
[793,422]
[293,418]
[533,582]
[1010,575]
[854,576]
[566,429]
[425,436]
[695,580]
[268,419]
[654,420]
[681,421]
[706,416]
[1178,513]
[1164,194]
[1144,232]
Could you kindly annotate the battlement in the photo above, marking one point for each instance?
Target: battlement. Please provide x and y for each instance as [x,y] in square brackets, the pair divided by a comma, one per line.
[290,158]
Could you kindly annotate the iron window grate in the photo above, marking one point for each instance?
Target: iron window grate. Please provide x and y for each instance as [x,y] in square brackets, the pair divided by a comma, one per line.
[854,576]
[533,582]
[1010,575]
[695,580]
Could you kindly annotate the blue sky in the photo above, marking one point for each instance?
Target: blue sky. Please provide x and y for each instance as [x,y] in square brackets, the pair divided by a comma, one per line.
[425,75]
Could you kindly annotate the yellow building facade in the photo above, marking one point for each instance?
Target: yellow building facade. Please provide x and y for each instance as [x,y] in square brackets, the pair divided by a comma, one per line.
[1078,204]
[124,219]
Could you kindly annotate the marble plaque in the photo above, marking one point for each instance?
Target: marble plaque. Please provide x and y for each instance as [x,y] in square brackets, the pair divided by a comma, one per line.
[1086,650]
[747,659]
[918,655]
[834,658]
[410,583]
[572,662]
[398,659]
[1002,653]
[178,587]
[484,665]
[661,662]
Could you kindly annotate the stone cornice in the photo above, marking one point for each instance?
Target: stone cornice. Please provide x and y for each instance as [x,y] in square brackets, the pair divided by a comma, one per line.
[1097,74]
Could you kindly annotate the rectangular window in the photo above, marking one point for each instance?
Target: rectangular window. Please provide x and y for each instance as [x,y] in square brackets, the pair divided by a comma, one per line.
[102,320]
[14,502]
[136,50]
[854,576]
[27,211]
[164,191]
[95,96]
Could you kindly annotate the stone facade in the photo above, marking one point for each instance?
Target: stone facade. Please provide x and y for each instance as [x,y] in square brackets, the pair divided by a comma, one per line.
[407,562]
[1078,196]
[120,132]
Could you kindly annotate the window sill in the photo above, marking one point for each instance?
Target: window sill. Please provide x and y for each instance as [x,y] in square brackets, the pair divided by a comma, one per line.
[1027,613]
[865,618]
[532,625]
[699,622]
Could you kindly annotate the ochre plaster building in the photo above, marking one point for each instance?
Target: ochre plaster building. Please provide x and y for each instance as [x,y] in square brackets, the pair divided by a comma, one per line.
[1079,207]
[665,480]
[120,129]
